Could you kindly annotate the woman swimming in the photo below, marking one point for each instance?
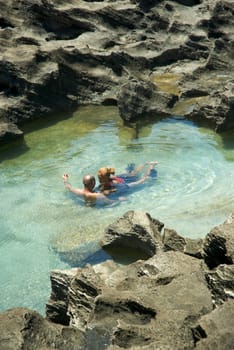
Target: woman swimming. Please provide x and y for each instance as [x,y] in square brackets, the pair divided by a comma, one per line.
[110,183]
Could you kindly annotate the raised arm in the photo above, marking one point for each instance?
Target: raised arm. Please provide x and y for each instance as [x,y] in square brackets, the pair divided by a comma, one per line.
[90,196]
[68,186]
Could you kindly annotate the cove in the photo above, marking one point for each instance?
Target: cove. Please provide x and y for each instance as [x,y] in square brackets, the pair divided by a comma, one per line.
[44,227]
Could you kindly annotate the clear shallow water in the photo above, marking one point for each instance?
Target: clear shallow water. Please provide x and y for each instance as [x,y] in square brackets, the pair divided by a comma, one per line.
[39,218]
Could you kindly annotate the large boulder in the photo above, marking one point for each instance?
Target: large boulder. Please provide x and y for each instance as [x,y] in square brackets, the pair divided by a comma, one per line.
[219,244]
[136,233]
[173,241]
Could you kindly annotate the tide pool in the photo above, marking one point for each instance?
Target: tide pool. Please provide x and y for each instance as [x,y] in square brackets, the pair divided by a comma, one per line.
[41,221]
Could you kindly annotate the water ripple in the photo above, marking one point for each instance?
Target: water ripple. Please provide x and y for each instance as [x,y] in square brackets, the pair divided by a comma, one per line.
[193,191]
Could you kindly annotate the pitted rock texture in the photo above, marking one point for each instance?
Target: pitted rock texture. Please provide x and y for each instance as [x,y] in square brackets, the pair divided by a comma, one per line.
[55,56]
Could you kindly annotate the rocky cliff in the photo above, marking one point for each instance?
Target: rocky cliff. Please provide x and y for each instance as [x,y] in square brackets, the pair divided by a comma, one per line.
[148,57]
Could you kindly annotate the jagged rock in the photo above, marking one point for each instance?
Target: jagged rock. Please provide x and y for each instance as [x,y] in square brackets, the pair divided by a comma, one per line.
[56,308]
[219,245]
[154,301]
[56,56]
[165,301]
[21,328]
[75,54]
[194,247]
[173,241]
[221,283]
[141,98]
[136,232]
[215,330]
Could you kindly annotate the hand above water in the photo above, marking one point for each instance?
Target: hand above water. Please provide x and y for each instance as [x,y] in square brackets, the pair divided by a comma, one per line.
[65,177]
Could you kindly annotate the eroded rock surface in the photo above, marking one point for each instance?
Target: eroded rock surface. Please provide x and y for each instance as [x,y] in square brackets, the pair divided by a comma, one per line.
[161,302]
[55,56]
[136,230]
[21,328]
[172,299]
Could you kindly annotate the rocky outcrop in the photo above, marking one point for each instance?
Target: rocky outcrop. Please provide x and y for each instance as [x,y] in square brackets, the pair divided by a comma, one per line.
[26,329]
[138,99]
[215,330]
[219,245]
[135,231]
[171,299]
[56,56]
[160,302]
[147,57]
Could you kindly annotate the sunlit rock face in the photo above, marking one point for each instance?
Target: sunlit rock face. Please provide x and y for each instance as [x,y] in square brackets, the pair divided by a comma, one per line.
[172,299]
[168,300]
[56,56]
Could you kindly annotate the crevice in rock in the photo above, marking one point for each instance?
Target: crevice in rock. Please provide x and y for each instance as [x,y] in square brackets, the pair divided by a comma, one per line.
[198,333]
[126,338]
[60,24]
[5,23]
[215,253]
[129,310]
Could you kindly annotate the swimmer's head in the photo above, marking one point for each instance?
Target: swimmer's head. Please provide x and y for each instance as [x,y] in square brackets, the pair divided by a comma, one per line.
[89,181]
[105,173]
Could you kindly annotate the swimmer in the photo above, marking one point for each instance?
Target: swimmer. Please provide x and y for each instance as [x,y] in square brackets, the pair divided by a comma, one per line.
[87,193]
[109,183]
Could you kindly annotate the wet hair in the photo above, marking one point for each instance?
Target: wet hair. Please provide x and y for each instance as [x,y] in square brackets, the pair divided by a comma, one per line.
[89,180]
[103,172]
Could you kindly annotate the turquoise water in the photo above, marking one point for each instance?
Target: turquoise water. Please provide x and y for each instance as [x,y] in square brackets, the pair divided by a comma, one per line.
[41,222]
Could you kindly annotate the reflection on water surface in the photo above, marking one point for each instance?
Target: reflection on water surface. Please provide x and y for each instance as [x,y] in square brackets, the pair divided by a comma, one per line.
[41,223]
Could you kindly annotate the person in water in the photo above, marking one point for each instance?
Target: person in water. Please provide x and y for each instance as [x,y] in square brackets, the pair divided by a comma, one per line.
[88,193]
[110,183]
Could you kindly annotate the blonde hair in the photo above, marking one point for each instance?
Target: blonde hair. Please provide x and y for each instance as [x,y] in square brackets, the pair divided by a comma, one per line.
[106,171]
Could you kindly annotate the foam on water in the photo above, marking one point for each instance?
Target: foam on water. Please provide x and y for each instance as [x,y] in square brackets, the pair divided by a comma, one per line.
[41,222]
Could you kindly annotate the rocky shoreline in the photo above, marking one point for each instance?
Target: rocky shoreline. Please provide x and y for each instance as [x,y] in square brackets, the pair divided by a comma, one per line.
[180,297]
[150,58]
[147,57]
